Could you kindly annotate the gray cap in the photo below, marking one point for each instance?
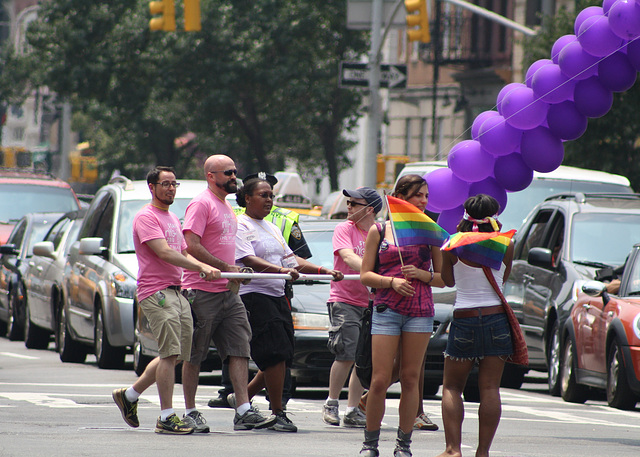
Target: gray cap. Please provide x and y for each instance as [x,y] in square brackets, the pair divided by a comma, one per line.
[368,194]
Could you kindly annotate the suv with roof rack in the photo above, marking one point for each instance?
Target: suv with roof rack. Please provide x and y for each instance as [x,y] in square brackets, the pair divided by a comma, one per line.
[563,242]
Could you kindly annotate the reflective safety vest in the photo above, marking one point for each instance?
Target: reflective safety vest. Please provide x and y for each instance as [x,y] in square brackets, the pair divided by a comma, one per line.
[284,219]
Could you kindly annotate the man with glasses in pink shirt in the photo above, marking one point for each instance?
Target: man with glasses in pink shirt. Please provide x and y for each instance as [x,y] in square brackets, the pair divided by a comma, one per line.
[210,228]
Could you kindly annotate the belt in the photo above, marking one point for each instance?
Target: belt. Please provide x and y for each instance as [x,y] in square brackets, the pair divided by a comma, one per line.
[475,312]
[178,288]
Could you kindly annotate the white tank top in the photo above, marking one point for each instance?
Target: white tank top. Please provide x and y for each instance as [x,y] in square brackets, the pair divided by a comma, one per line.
[473,289]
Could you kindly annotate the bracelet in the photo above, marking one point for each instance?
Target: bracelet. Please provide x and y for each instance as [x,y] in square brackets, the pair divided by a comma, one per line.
[319,270]
[280,270]
[391,283]
[432,275]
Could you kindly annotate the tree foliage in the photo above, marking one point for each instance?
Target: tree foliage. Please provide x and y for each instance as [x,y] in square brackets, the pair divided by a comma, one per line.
[259,82]
[612,142]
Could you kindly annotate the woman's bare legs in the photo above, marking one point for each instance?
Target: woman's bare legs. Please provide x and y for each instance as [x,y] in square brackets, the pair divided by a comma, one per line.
[489,377]
[414,346]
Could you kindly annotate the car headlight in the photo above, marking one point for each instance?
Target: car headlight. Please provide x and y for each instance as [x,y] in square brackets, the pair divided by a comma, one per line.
[123,285]
[310,321]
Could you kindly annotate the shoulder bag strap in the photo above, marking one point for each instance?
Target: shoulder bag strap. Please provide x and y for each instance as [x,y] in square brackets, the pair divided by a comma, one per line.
[381,230]
[494,284]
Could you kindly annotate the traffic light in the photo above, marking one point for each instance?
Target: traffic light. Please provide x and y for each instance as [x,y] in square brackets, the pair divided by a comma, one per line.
[167,21]
[192,16]
[420,20]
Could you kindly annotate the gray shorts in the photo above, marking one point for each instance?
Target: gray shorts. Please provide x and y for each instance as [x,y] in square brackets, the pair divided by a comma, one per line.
[170,323]
[221,317]
[344,330]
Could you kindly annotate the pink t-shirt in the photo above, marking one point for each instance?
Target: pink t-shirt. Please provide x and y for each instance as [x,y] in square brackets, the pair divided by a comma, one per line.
[155,274]
[214,221]
[347,235]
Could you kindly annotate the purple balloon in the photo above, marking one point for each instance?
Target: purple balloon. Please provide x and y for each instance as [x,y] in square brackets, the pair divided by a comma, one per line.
[551,85]
[450,219]
[498,137]
[541,150]
[606,6]
[479,120]
[566,122]
[633,53]
[503,92]
[535,66]
[597,38]
[616,72]
[585,14]
[512,173]
[522,109]
[489,186]
[446,190]
[624,19]
[576,63]
[592,98]
[559,45]
[469,162]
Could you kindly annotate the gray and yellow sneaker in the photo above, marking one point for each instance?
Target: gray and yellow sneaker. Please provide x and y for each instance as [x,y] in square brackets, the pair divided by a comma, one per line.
[172,426]
[128,409]
[252,419]
[196,421]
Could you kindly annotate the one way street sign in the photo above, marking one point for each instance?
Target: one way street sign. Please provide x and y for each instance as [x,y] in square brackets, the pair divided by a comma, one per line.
[357,74]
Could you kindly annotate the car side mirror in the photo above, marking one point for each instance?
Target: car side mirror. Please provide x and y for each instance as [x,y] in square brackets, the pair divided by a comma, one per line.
[9,249]
[91,246]
[541,257]
[596,289]
[44,249]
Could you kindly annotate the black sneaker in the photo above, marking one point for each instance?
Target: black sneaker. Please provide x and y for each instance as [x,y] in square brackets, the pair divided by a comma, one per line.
[220,402]
[283,423]
[128,409]
[173,426]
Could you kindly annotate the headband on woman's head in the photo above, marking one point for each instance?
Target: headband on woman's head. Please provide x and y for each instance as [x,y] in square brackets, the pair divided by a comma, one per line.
[486,220]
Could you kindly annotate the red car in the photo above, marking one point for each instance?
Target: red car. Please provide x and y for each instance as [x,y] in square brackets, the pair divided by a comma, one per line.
[601,345]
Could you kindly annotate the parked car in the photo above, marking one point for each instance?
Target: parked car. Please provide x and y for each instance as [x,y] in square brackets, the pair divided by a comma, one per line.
[15,257]
[43,279]
[26,191]
[99,287]
[601,340]
[562,180]
[562,243]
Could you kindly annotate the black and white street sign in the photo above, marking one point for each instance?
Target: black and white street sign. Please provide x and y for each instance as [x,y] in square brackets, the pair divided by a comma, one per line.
[357,74]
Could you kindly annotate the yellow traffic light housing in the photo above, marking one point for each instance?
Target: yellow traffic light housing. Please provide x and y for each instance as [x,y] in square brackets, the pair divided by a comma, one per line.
[192,16]
[419,20]
[167,21]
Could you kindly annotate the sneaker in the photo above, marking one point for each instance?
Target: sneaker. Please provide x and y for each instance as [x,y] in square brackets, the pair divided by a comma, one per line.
[172,426]
[355,418]
[423,422]
[363,404]
[128,409]
[330,413]
[283,423]
[220,402]
[196,421]
[231,400]
[252,419]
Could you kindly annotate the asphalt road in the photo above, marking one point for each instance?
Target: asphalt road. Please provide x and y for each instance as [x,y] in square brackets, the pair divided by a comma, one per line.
[48,408]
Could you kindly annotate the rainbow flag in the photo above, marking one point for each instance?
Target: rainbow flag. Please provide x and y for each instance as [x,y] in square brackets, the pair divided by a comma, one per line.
[485,248]
[411,226]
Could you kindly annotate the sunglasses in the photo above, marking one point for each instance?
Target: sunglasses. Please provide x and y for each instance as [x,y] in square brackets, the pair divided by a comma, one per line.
[233,171]
[167,184]
[352,203]
[266,195]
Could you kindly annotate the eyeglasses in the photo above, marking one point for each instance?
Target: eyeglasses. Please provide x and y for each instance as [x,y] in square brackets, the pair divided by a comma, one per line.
[233,171]
[352,203]
[266,195]
[167,184]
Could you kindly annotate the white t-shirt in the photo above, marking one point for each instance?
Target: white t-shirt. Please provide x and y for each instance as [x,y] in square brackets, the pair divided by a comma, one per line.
[473,289]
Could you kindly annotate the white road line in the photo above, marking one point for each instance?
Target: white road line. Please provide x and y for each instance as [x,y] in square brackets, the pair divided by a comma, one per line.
[18,356]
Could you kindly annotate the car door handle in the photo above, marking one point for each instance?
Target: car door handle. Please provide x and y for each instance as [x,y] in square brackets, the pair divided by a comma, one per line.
[528,278]
[39,268]
[31,264]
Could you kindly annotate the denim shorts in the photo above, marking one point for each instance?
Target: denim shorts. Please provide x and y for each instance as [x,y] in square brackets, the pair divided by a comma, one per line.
[478,337]
[388,322]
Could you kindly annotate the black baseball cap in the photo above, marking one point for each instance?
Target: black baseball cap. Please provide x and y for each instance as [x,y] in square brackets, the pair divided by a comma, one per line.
[262,175]
[368,194]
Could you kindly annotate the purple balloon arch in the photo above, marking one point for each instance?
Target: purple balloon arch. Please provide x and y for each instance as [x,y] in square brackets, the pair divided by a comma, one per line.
[534,118]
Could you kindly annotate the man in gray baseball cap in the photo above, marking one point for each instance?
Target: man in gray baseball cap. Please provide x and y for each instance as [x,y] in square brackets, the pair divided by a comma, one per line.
[368,194]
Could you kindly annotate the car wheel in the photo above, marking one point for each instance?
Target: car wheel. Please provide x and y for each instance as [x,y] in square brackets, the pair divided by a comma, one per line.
[69,350]
[570,390]
[140,361]
[107,356]
[512,376]
[553,361]
[430,389]
[15,330]
[619,394]
[57,311]
[35,337]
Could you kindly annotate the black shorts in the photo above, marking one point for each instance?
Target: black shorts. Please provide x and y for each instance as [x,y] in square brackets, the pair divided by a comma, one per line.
[271,328]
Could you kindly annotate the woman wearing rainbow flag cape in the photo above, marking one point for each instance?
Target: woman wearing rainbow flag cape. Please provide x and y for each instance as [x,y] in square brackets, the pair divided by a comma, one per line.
[480,330]
[409,260]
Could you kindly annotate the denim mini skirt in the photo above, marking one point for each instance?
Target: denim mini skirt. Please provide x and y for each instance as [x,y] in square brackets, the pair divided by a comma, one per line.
[478,337]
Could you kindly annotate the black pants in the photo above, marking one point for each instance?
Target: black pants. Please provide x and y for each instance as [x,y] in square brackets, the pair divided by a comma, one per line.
[227,387]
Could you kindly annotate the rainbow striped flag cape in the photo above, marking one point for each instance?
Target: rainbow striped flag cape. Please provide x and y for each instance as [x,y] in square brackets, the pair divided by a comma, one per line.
[411,226]
[485,248]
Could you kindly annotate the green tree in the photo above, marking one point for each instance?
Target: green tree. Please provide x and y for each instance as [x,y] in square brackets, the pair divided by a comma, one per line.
[259,82]
[612,142]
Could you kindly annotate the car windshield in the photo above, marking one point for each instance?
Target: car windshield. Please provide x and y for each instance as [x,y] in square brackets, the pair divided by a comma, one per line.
[34,199]
[321,246]
[38,232]
[520,203]
[127,212]
[604,238]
